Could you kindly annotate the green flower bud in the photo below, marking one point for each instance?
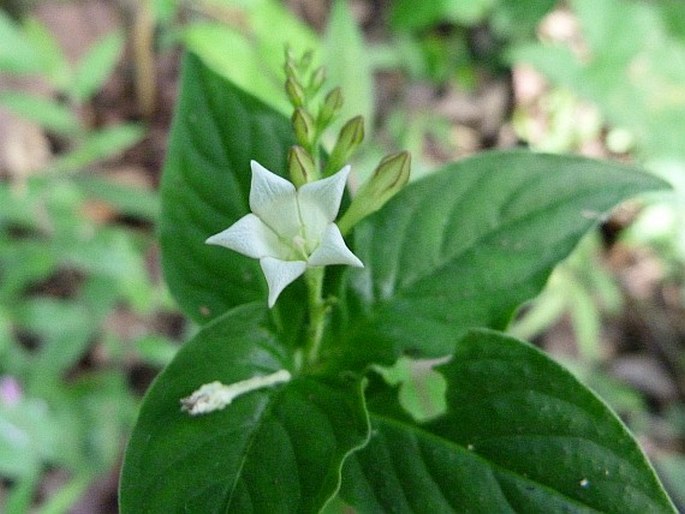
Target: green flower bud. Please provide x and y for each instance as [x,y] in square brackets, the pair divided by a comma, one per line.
[317,79]
[303,125]
[289,53]
[391,175]
[350,137]
[295,92]
[307,59]
[290,69]
[300,166]
[331,106]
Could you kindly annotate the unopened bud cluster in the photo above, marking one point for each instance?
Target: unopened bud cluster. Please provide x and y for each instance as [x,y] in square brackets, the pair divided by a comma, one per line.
[303,86]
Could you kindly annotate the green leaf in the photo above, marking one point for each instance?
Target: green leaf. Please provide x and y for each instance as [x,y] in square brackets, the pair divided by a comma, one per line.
[17,53]
[467,245]
[98,408]
[96,66]
[250,54]
[521,435]
[421,388]
[217,130]
[156,350]
[518,20]
[164,11]
[673,16]
[277,449]
[67,495]
[47,113]
[24,263]
[605,24]
[65,328]
[29,436]
[469,13]
[347,64]
[127,199]
[111,253]
[235,57]
[54,62]
[408,15]
[635,81]
[672,469]
[103,144]
[263,16]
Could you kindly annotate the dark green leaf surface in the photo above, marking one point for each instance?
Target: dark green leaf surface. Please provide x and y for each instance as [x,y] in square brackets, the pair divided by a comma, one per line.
[216,132]
[521,435]
[276,449]
[465,246]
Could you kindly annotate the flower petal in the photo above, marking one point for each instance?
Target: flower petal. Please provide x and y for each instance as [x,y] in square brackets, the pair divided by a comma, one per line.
[273,199]
[322,197]
[267,186]
[333,250]
[279,274]
[250,237]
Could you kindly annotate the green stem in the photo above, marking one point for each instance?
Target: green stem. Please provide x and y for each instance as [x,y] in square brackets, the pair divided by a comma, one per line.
[317,313]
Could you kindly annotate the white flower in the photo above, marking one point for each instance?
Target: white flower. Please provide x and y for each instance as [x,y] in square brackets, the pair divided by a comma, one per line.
[289,229]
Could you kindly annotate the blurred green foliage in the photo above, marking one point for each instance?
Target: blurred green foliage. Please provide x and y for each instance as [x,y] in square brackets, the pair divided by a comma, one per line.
[64,275]
[29,49]
[638,81]
[441,40]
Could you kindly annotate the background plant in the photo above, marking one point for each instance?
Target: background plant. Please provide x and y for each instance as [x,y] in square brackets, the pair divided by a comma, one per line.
[72,269]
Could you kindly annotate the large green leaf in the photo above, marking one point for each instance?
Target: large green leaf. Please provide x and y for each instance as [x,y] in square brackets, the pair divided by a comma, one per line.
[235,57]
[345,50]
[217,130]
[277,449]
[249,51]
[521,434]
[465,246]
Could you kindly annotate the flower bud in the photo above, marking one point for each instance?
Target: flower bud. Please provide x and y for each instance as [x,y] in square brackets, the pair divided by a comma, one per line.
[290,69]
[391,175]
[300,166]
[317,79]
[331,106]
[289,54]
[350,137]
[307,59]
[303,125]
[295,92]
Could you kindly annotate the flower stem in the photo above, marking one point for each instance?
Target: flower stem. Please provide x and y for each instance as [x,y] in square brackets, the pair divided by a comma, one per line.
[317,313]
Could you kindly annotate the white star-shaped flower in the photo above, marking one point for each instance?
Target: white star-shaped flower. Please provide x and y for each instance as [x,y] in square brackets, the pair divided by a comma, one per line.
[289,229]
